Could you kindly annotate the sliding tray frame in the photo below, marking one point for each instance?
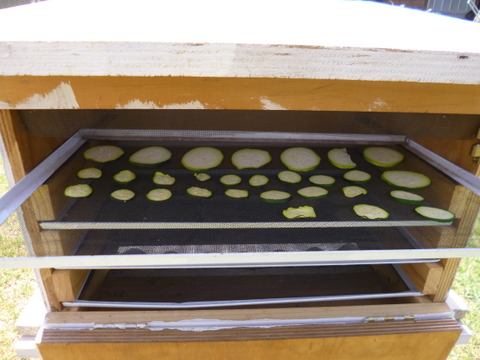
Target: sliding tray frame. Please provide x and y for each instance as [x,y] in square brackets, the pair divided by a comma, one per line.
[27,186]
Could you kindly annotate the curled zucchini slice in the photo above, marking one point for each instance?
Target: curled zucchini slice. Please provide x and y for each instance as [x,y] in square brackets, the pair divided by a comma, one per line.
[357,176]
[436,214]
[103,153]
[89,173]
[258,180]
[275,196]
[236,193]
[406,179]
[159,195]
[323,180]
[383,156]
[150,156]
[250,158]
[160,178]
[202,176]
[406,197]
[199,192]
[300,159]
[230,179]
[124,176]
[341,159]
[353,191]
[202,158]
[123,194]
[78,191]
[289,177]
[370,212]
[301,212]
[312,192]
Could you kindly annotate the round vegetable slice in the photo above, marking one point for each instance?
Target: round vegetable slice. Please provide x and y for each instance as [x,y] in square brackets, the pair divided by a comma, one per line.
[159,194]
[300,159]
[299,213]
[202,176]
[258,180]
[160,178]
[370,212]
[324,180]
[124,176]
[199,192]
[340,158]
[202,158]
[383,156]
[406,179]
[230,179]
[289,177]
[312,192]
[103,153]
[353,191]
[90,173]
[236,193]
[123,194]
[150,156]
[357,176]
[437,214]
[275,196]
[78,191]
[406,197]
[250,158]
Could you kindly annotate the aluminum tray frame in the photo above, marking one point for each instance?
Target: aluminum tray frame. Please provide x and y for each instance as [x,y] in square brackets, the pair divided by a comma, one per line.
[18,193]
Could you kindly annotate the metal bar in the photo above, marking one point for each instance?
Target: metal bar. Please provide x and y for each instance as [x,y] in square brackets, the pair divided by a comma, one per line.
[26,186]
[231,303]
[450,169]
[50,225]
[186,135]
[231,260]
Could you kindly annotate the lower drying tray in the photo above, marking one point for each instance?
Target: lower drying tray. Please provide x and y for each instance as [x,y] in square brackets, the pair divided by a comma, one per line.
[207,288]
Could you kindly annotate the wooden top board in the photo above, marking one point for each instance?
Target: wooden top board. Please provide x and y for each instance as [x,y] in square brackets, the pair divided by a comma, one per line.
[350,40]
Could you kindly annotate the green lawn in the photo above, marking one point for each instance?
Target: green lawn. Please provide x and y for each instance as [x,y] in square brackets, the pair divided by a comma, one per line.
[16,287]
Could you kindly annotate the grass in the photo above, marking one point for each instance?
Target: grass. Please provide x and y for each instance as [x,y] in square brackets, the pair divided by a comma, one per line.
[17,285]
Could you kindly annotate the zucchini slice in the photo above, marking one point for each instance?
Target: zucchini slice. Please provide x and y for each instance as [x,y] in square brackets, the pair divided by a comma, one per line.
[159,195]
[301,212]
[230,179]
[78,191]
[341,159]
[89,173]
[199,192]
[353,191]
[406,197]
[150,156]
[124,176]
[300,159]
[312,192]
[258,180]
[436,214]
[383,156]
[123,194]
[250,158]
[406,179]
[202,158]
[323,180]
[275,196]
[370,212]
[357,176]
[289,177]
[236,193]
[202,176]
[160,178]
[103,153]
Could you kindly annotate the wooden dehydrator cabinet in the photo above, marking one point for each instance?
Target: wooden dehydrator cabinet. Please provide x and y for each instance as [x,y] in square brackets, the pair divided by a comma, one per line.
[225,278]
